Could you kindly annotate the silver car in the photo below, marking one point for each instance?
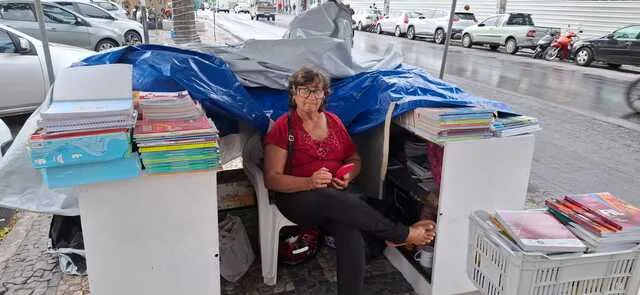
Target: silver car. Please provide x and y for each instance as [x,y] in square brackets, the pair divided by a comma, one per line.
[113,8]
[62,25]
[130,29]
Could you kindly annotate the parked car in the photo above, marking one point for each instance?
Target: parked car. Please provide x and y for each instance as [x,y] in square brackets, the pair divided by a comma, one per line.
[23,70]
[131,30]
[63,26]
[366,18]
[434,23]
[263,9]
[512,30]
[397,22]
[241,8]
[5,138]
[113,8]
[621,47]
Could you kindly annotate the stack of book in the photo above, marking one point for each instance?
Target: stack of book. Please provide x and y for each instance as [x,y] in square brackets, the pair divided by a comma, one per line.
[537,231]
[175,142]
[603,221]
[168,106]
[452,124]
[515,125]
[84,133]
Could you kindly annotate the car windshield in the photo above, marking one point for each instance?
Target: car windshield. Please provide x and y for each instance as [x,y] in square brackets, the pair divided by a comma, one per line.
[466,16]
[107,6]
[627,33]
[414,14]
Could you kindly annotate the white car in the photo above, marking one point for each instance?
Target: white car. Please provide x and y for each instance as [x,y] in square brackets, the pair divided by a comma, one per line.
[366,18]
[113,8]
[5,138]
[241,8]
[434,23]
[23,70]
[131,30]
[398,23]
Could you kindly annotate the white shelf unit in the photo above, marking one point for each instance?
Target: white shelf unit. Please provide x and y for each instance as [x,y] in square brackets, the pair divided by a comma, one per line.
[155,234]
[486,174]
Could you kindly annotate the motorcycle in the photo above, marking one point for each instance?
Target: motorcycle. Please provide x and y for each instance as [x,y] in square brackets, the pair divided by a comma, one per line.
[544,43]
[562,44]
[633,95]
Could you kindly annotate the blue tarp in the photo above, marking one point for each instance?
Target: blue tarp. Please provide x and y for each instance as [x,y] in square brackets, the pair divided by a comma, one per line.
[361,101]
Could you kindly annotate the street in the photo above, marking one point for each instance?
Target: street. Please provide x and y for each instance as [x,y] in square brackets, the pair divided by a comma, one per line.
[590,137]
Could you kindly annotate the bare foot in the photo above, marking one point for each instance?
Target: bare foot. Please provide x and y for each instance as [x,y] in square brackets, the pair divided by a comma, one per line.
[422,232]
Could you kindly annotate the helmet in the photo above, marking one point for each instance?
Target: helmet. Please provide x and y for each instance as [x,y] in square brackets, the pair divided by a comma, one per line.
[571,34]
[298,245]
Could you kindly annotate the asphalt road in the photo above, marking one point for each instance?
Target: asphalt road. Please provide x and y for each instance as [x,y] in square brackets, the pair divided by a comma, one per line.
[590,141]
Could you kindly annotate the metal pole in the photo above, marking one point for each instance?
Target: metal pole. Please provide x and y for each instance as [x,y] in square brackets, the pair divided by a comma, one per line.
[214,22]
[45,41]
[447,39]
[145,25]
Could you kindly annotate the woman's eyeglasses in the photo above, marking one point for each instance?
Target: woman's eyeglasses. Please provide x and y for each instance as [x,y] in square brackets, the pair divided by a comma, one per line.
[306,92]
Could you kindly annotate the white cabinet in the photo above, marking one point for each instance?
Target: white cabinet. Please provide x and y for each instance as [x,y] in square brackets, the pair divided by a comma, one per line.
[484,174]
[152,235]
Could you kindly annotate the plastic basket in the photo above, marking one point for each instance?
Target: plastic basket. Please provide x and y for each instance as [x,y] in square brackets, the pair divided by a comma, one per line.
[495,269]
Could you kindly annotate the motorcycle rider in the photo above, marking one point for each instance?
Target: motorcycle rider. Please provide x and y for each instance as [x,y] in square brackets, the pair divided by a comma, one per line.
[565,41]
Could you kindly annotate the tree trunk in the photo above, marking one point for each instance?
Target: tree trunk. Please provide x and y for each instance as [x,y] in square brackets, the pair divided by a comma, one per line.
[184,22]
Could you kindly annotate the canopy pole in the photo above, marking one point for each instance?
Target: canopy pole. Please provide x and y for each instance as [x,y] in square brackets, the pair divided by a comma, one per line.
[448,36]
[45,41]
[145,25]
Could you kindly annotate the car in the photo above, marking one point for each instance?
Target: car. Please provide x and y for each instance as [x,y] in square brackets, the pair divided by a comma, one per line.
[263,9]
[241,8]
[131,30]
[434,23]
[23,69]
[63,26]
[397,22]
[6,138]
[364,19]
[112,8]
[621,47]
[511,30]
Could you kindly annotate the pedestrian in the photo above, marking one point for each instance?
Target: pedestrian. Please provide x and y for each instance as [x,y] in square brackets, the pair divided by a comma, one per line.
[295,12]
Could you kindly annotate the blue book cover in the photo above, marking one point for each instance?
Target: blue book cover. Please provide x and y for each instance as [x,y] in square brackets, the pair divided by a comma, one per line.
[79,150]
[68,176]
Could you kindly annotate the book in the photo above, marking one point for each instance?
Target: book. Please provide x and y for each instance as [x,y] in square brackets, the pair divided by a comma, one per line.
[210,144]
[68,176]
[613,210]
[566,214]
[157,128]
[539,231]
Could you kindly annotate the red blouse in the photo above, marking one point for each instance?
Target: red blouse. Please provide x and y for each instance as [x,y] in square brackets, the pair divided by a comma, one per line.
[309,154]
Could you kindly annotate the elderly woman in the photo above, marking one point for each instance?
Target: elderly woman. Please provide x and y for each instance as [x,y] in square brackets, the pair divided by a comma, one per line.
[308,192]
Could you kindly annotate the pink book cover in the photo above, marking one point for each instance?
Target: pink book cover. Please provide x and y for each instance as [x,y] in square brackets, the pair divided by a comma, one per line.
[168,126]
[538,230]
[610,208]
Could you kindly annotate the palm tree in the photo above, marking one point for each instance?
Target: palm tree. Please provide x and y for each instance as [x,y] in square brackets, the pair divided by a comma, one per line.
[184,22]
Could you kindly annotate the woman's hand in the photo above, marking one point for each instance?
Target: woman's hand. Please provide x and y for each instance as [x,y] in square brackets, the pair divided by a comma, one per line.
[341,183]
[321,178]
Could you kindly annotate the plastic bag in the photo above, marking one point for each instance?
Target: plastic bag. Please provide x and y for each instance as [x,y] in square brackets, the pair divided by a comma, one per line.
[65,238]
[236,254]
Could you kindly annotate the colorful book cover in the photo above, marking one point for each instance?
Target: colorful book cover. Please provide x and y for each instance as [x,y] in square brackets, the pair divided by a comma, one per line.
[538,230]
[573,216]
[613,210]
[178,147]
[68,176]
[79,149]
[144,127]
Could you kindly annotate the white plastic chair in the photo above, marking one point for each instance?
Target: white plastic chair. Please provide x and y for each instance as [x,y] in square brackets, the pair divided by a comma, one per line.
[269,217]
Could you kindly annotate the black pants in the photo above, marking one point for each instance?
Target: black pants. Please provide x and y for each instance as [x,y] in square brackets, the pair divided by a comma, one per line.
[345,216]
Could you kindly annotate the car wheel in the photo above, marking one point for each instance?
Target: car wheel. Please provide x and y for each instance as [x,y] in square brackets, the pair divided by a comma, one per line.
[438,37]
[273,18]
[466,41]
[132,38]
[252,17]
[614,66]
[397,32]
[494,47]
[633,96]
[360,27]
[511,46]
[584,56]
[106,44]
[411,33]
[379,29]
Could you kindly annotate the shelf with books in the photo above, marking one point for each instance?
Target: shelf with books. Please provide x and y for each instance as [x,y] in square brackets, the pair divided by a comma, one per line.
[480,174]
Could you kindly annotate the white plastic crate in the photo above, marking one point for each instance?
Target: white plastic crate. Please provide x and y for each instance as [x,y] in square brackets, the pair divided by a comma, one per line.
[496,269]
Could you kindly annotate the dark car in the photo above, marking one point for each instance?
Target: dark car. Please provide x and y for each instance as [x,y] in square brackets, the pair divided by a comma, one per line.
[621,47]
